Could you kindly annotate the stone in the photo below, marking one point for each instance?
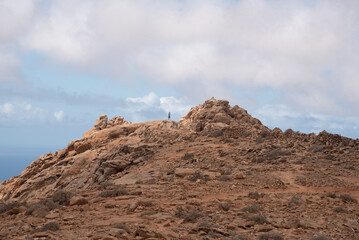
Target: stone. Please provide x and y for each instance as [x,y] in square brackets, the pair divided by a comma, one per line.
[101,122]
[183,172]
[78,201]
[81,147]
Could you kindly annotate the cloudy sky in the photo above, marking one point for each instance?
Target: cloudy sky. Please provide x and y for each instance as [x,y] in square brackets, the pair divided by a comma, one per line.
[292,64]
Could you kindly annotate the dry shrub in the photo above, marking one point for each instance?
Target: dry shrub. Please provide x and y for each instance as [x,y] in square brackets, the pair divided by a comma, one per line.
[224,206]
[340,210]
[8,206]
[62,197]
[190,216]
[348,198]
[270,236]
[255,195]
[198,176]
[252,209]
[114,193]
[276,153]
[316,148]
[320,237]
[259,219]
[294,201]
[51,226]
[331,195]
[224,178]
[41,208]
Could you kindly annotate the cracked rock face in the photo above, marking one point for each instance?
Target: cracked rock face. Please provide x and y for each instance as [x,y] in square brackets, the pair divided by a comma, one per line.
[218,173]
[101,122]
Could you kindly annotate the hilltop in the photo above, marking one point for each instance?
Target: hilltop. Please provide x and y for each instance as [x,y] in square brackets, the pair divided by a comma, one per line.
[218,173]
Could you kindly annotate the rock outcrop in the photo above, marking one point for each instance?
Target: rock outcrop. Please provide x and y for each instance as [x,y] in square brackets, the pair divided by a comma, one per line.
[218,173]
[101,122]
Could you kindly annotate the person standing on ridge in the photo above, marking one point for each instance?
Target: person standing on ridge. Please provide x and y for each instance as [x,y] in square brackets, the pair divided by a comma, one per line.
[169,115]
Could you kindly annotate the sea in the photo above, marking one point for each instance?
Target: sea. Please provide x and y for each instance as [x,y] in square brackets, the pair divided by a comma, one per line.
[14,160]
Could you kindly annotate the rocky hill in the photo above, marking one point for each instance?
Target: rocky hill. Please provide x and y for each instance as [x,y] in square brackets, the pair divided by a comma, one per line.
[218,173]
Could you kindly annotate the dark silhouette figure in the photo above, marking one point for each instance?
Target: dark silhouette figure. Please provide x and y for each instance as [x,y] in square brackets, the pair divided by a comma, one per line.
[169,115]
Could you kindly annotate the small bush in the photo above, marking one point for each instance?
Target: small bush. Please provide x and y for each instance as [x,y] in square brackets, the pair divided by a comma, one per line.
[270,236]
[294,201]
[190,216]
[198,176]
[224,206]
[42,208]
[204,225]
[316,148]
[340,210]
[258,160]
[224,178]
[145,203]
[8,206]
[187,156]
[62,197]
[255,195]
[114,193]
[122,226]
[276,153]
[235,236]
[348,199]
[331,195]
[51,226]
[252,209]
[259,219]
[320,237]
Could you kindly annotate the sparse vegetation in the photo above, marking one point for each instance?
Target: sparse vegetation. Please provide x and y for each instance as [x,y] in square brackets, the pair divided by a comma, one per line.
[255,195]
[276,153]
[190,216]
[204,225]
[145,203]
[114,193]
[8,206]
[294,201]
[340,210]
[316,148]
[62,197]
[224,206]
[270,236]
[42,207]
[198,176]
[224,178]
[187,156]
[259,219]
[51,226]
[331,195]
[320,237]
[122,226]
[252,209]
[348,198]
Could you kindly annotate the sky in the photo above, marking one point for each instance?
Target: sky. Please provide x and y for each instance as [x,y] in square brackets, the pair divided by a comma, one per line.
[292,64]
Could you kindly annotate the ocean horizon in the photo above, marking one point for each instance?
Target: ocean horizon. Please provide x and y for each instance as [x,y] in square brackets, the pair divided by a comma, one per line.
[14,160]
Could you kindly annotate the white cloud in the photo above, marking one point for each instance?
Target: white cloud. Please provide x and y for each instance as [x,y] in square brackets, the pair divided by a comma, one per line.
[59,115]
[153,107]
[285,117]
[7,109]
[21,112]
[15,16]
[305,50]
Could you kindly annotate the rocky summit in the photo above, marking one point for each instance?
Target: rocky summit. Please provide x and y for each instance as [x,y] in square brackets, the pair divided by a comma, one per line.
[218,173]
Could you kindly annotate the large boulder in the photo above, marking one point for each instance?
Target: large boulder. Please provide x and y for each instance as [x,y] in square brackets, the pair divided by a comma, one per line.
[101,122]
